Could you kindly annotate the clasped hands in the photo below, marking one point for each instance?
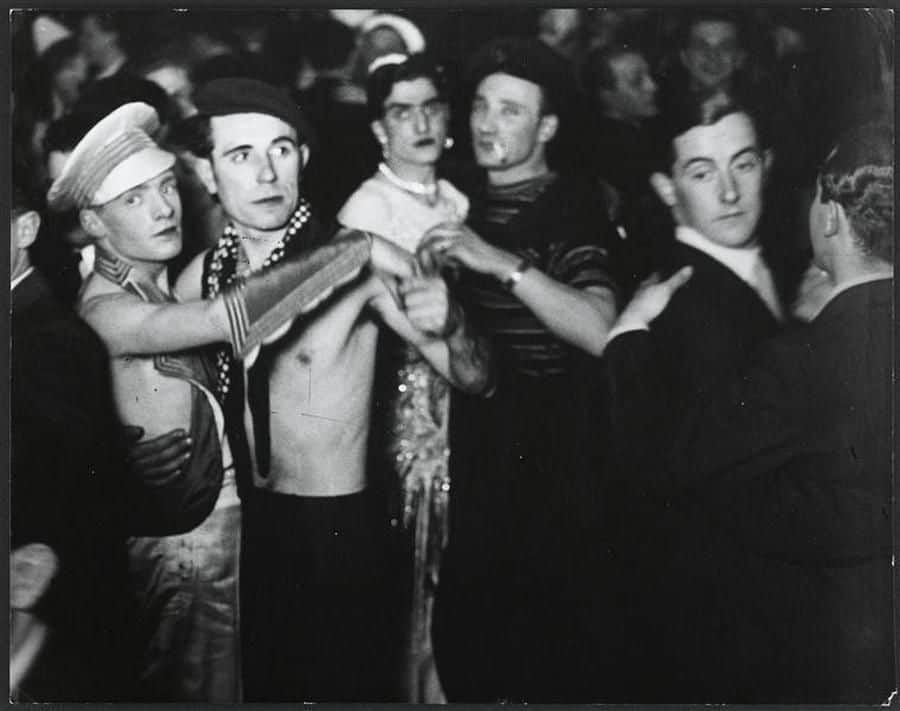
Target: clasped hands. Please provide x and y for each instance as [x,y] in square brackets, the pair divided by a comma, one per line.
[420,288]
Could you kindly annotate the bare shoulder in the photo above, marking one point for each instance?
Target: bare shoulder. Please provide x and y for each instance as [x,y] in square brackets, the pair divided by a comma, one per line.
[189,285]
[107,307]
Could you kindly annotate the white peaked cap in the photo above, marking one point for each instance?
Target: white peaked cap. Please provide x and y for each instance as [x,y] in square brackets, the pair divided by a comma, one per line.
[46,32]
[410,34]
[351,18]
[116,155]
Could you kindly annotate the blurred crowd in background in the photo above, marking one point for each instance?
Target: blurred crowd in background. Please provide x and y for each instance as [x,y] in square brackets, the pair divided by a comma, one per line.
[625,64]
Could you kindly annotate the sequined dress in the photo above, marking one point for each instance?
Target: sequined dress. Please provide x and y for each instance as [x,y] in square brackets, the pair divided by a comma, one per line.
[418,431]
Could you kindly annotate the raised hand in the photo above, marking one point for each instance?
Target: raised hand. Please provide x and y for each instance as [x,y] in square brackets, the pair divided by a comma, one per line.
[428,307]
[455,243]
[651,298]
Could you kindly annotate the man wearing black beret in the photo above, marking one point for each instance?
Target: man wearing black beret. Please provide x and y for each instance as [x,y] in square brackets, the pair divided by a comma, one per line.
[509,618]
[316,594]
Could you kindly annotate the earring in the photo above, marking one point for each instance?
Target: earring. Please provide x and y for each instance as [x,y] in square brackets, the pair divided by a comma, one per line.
[448,142]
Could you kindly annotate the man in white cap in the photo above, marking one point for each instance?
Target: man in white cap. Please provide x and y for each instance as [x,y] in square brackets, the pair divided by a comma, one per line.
[185,570]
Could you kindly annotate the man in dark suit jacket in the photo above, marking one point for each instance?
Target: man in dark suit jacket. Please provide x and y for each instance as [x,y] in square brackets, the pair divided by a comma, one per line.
[711,179]
[788,467]
[67,514]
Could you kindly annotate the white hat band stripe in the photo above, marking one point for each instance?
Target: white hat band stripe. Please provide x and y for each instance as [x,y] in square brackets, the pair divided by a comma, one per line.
[98,165]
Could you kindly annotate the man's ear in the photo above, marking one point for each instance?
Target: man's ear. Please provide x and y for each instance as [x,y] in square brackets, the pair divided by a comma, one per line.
[768,158]
[92,224]
[27,225]
[379,132]
[665,188]
[204,170]
[304,156]
[547,127]
[835,217]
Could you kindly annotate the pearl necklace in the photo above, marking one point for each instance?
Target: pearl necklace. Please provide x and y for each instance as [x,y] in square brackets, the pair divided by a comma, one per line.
[426,190]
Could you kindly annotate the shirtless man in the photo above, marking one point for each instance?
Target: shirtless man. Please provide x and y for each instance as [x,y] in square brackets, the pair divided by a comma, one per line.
[315,600]
[185,574]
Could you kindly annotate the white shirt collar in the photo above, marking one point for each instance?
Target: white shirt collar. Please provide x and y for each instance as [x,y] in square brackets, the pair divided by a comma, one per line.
[111,69]
[13,283]
[740,260]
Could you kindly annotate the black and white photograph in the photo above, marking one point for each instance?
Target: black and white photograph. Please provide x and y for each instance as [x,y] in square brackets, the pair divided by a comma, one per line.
[452,354]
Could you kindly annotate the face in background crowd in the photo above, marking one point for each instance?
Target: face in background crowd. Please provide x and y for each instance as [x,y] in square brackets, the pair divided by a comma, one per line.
[174,80]
[717,180]
[143,224]
[414,125]
[254,169]
[560,29]
[509,129]
[712,54]
[96,41]
[634,96]
[66,83]
[23,228]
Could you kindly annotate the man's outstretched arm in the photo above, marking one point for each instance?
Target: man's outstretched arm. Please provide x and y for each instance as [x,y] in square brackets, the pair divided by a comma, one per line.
[581,317]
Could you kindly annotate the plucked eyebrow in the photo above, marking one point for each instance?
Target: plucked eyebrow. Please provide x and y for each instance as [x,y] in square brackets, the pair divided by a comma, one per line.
[702,160]
[745,151]
[402,105]
[698,161]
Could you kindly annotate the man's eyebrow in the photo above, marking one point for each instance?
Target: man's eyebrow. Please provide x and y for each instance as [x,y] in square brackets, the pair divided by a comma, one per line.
[744,151]
[694,161]
[235,149]
[249,147]
[409,105]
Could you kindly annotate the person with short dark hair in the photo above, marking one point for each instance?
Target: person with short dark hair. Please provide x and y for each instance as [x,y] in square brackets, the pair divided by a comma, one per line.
[787,466]
[407,103]
[711,175]
[101,36]
[336,105]
[711,49]
[317,609]
[510,619]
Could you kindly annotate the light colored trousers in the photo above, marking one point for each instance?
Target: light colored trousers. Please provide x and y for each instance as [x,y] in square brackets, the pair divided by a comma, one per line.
[187,589]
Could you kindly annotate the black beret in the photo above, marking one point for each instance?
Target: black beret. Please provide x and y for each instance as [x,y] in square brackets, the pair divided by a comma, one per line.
[530,59]
[243,95]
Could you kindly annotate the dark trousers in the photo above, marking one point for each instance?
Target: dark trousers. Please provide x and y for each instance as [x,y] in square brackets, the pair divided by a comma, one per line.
[318,612]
